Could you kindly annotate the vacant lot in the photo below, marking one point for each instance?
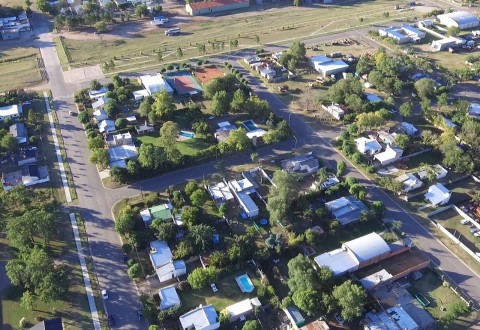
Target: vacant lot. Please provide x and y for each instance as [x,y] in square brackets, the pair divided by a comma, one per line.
[19,66]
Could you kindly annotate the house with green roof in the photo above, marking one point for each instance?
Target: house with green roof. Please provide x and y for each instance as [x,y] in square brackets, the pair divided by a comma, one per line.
[161,212]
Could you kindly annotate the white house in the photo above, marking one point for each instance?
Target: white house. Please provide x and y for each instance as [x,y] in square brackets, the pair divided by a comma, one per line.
[408,128]
[368,146]
[330,182]
[242,308]
[242,189]
[99,115]
[409,182]
[402,34]
[440,172]
[268,74]
[119,155]
[140,95]
[220,193]
[19,131]
[327,66]
[100,103]
[442,44]
[169,298]
[155,83]
[96,94]
[29,175]
[162,261]
[334,110]
[106,125]
[201,318]
[304,164]
[461,19]
[438,194]
[390,155]
[10,111]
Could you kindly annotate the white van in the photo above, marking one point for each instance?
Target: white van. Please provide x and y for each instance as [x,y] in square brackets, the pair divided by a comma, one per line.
[172,32]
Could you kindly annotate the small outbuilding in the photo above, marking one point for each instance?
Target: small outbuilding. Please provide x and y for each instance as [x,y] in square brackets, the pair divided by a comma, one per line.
[169,298]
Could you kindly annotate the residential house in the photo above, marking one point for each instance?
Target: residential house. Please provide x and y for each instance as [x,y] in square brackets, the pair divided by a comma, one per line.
[402,34]
[331,181]
[327,66]
[268,74]
[215,6]
[96,94]
[438,194]
[29,175]
[144,128]
[368,146]
[474,110]
[242,309]
[335,110]
[140,95]
[52,324]
[397,319]
[409,182]
[390,155]
[100,103]
[161,212]
[303,164]
[169,298]
[355,254]
[106,126]
[346,209]
[223,131]
[440,172]
[220,193]
[99,115]
[252,59]
[155,84]
[162,261]
[10,111]
[19,131]
[408,129]
[242,189]
[115,140]
[121,154]
[386,137]
[445,43]
[294,316]
[201,318]
[25,156]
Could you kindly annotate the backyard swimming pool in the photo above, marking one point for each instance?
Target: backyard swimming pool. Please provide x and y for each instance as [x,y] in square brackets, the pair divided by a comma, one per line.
[249,125]
[188,135]
[245,283]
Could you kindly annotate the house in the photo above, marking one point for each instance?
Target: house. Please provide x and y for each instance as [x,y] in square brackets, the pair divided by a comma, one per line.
[330,182]
[243,308]
[120,155]
[461,19]
[100,103]
[162,261]
[294,316]
[25,156]
[256,136]
[220,193]
[390,155]
[440,172]
[155,84]
[408,129]
[425,23]
[223,131]
[144,128]
[10,111]
[316,325]
[99,115]
[201,318]
[268,74]
[169,298]
[327,66]
[409,182]
[394,318]
[242,189]
[252,59]
[19,131]
[116,140]
[438,194]
[334,110]
[304,164]
[161,212]
[96,94]
[53,324]
[355,254]
[106,125]
[449,42]
[474,110]
[386,137]
[402,34]
[140,95]
[368,146]
[215,6]
[346,209]
[29,175]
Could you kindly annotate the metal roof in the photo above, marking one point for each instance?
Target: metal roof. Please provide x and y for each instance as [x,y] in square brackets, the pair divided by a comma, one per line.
[367,247]
[460,17]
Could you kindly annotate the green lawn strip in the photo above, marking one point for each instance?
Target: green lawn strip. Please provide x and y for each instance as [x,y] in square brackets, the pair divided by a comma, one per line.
[228,293]
[21,74]
[110,184]
[432,288]
[62,51]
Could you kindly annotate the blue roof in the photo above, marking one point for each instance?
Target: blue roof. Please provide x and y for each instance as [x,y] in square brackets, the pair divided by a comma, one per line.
[169,298]
[296,315]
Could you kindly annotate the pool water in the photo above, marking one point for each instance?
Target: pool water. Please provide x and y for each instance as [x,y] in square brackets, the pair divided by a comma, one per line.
[250,125]
[246,283]
[187,134]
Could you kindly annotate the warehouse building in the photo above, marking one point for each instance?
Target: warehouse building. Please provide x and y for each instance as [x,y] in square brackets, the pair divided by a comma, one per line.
[442,44]
[215,6]
[402,34]
[461,19]
[327,66]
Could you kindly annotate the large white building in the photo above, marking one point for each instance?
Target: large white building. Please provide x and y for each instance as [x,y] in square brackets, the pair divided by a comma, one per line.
[201,318]
[162,261]
[402,34]
[328,66]
[155,84]
[461,19]
[438,194]
[10,111]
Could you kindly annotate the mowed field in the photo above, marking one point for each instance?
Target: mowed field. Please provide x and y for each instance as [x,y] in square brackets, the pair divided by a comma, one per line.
[20,65]
[273,26]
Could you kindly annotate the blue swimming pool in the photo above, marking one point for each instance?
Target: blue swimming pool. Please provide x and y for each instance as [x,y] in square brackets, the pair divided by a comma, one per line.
[249,125]
[186,134]
[245,283]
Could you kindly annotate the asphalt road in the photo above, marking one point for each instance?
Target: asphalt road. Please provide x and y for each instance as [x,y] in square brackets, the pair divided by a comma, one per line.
[95,202]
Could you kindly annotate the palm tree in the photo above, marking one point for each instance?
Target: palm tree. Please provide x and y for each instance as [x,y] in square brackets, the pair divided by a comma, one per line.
[201,235]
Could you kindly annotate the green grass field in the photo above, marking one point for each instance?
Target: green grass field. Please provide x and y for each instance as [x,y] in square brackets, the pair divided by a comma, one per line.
[19,64]
[186,147]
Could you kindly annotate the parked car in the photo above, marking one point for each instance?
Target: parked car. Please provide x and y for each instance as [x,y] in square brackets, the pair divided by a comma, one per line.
[111,320]
[104,294]
[465,222]
[339,319]
[474,230]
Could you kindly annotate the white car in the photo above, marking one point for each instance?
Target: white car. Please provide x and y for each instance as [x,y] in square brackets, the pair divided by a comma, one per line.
[477,234]
[214,287]
[465,222]
[104,294]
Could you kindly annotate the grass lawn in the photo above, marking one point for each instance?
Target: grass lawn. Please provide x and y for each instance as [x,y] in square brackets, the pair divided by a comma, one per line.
[21,74]
[186,147]
[431,287]
[461,189]
[228,293]
[430,157]
[151,138]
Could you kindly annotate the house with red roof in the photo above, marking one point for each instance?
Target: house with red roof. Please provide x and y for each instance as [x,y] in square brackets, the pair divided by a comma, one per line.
[215,6]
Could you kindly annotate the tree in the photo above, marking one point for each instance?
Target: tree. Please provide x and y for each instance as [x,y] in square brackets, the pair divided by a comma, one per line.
[168,137]
[201,277]
[281,195]
[350,298]
[298,50]
[301,274]
[191,187]
[43,5]
[134,271]
[391,184]
[402,141]
[111,108]
[453,31]
[141,10]
[425,88]
[149,156]
[341,168]
[201,127]
[201,235]
[44,224]
[471,135]
[125,223]
[179,52]
[307,300]
[223,209]
[83,117]
[238,139]
[406,109]
[221,104]
[442,100]
[27,300]
[163,105]
[145,107]
[369,120]
[238,100]
[428,138]
[20,232]
[165,231]
[95,143]
[100,26]
[100,157]
[378,208]
[397,224]
[199,197]
[121,123]
[9,143]
[252,325]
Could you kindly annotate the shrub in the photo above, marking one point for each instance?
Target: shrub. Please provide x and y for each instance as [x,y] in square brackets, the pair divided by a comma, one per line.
[83,117]
[183,286]
[23,323]
[131,262]
[134,271]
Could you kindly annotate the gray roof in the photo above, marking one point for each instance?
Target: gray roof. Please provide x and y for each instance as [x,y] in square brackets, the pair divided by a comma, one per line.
[346,209]
[367,247]
[460,17]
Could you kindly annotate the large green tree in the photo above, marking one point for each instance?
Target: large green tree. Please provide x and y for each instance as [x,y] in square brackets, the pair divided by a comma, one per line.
[238,140]
[238,100]
[281,195]
[351,298]
[307,300]
[125,223]
[425,88]
[406,109]
[202,277]
[471,135]
[201,235]
[43,5]
[220,103]
[150,156]
[168,138]
[252,325]
[301,274]
[100,157]
[163,105]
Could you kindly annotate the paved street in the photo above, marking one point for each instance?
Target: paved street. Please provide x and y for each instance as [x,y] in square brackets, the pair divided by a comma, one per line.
[95,202]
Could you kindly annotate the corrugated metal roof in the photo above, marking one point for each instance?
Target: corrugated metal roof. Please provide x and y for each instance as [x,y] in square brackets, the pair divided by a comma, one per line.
[367,247]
